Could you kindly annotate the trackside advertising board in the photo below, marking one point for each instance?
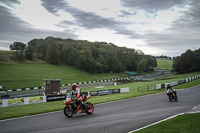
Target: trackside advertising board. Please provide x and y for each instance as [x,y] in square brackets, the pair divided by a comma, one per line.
[22,101]
[107,92]
[56,97]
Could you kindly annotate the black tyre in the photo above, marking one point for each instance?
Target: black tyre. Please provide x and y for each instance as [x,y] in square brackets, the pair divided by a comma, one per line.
[170,98]
[89,108]
[68,112]
[176,98]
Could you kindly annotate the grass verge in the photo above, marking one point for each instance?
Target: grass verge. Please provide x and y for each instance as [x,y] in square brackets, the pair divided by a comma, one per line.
[187,123]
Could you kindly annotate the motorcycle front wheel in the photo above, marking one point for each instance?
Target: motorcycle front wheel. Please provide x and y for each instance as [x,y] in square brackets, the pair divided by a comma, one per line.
[68,111]
[170,97]
[89,108]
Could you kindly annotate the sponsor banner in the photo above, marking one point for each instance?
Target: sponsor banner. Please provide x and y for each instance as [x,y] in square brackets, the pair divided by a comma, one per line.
[105,92]
[124,89]
[116,90]
[173,83]
[181,81]
[15,102]
[35,100]
[22,101]
[56,97]
[1,102]
[93,93]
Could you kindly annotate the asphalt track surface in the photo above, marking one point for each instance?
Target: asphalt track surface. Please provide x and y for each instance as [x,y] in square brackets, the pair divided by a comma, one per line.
[114,117]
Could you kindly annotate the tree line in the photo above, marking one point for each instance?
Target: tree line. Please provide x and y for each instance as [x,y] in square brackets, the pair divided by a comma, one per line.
[187,62]
[93,57]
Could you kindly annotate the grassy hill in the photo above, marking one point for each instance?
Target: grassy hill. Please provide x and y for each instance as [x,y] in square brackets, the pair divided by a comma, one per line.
[14,75]
[164,64]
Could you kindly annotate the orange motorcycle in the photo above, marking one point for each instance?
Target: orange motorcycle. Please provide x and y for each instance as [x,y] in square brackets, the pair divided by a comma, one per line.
[73,105]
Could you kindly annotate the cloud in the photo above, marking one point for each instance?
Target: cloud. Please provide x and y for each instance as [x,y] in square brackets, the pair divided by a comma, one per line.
[87,20]
[163,26]
[15,29]
[53,6]
[183,34]
[152,6]
[10,2]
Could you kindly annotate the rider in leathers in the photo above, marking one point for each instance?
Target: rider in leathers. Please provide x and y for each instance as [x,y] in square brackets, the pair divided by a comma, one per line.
[170,88]
[76,91]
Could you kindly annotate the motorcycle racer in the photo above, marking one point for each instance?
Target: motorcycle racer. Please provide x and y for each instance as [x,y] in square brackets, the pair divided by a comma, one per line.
[169,88]
[77,92]
[171,92]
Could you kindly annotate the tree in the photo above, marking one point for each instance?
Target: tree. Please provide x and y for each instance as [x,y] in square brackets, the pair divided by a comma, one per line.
[19,47]
[29,53]
[53,53]
[187,62]
[196,63]
[141,65]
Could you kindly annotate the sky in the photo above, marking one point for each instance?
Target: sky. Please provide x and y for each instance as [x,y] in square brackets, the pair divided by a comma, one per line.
[156,27]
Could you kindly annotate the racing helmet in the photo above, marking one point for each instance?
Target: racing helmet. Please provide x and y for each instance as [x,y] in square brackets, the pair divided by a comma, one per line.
[74,86]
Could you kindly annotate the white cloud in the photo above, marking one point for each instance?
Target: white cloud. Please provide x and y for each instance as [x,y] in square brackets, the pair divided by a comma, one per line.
[33,13]
[134,24]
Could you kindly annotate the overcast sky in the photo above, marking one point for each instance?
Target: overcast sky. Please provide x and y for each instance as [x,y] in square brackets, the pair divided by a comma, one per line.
[157,27]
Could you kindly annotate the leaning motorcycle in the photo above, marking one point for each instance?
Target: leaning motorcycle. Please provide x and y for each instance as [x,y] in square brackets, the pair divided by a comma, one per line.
[73,105]
[172,95]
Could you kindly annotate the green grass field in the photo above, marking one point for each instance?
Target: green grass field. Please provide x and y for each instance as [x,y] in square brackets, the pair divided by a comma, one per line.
[164,64]
[187,123]
[16,75]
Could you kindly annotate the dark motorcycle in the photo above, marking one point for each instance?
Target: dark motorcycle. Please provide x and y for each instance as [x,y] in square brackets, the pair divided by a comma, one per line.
[172,95]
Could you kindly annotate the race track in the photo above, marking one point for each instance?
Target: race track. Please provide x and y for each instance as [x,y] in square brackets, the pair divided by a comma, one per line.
[114,117]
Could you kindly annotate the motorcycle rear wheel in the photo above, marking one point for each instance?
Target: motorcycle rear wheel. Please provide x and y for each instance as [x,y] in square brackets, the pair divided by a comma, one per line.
[68,111]
[89,108]
[170,98]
